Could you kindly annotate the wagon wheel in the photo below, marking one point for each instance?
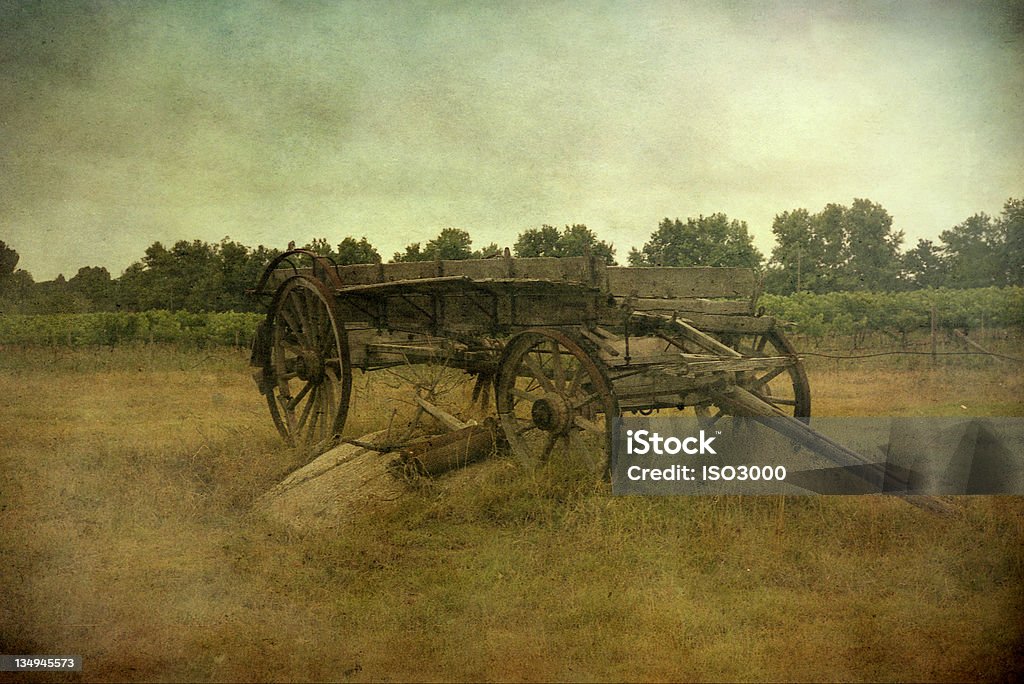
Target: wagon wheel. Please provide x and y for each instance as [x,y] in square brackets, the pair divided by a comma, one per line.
[554,400]
[307,373]
[786,387]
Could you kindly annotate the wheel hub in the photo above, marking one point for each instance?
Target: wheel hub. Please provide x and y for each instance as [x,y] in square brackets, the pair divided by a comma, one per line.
[552,414]
[309,366]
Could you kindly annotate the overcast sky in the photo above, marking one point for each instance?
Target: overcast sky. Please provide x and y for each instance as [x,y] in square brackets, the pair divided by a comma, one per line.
[122,124]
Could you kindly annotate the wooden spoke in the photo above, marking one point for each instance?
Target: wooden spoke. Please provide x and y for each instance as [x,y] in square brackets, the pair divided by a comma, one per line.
[523,394]
[537,371]
[556,363]
[293,402]
[767,377]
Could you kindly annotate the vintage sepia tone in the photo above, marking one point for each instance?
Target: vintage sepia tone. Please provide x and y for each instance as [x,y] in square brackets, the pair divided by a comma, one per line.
[317,320]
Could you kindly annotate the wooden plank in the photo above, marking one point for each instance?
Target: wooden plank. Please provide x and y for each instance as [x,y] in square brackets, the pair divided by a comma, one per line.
[672,282]
[359,274]
[569,269]
[564,270]
[737,365]
[411,270]
[442,416]
[477,269]
[684,329]
[688,304]
[732,324]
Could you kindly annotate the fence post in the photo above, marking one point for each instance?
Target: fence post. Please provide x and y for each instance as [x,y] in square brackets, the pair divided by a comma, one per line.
[934,330]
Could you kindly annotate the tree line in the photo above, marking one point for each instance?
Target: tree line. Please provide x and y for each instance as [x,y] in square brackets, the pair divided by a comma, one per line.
[839,248]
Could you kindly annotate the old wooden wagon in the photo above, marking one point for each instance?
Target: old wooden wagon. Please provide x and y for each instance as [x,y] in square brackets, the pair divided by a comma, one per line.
[564,345]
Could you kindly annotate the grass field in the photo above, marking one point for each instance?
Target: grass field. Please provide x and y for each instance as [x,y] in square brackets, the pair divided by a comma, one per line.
[127,538]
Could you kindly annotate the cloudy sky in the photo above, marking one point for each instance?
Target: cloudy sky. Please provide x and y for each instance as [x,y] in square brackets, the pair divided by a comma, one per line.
[122,124]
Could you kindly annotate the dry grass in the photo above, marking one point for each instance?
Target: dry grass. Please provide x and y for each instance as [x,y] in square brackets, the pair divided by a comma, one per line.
[127,539]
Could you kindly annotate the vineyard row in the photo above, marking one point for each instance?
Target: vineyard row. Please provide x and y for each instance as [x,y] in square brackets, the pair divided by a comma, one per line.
[813,316]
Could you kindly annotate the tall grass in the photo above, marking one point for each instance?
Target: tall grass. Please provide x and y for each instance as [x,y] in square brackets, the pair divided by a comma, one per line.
[128,538]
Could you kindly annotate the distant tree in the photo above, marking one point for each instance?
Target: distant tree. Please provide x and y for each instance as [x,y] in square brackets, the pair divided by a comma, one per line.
[830,229]
[15,284]
[973,252]
[55,296]
[240,268]
[797,260]
[873,248]
[487,252]
[94,285]
[451,243]
[923,266]
[413,252]
[705,241]
[188,276]
[1011,226]
[351,251]
[575,240]
[839,248]
[8,261]
[538,242]
[319,246]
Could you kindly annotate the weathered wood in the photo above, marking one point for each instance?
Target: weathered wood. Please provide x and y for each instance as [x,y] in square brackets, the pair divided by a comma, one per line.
[677,283]
[436,455]
[739,402]
[478,269]
[750,325]
[442,416]
[737,365]
[568,269]
[683,329]
[971,343]
[599,341]
[338,485]
[689,304]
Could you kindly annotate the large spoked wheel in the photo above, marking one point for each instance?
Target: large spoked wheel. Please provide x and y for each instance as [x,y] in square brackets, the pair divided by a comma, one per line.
[307,373]
[554,401]
[785,387]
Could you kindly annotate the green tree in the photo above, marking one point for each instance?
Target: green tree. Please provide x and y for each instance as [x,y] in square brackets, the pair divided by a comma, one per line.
[797,260]
[351,251]
[319,246]
[94,285]
[188,276]
[451,243]
[491,250]
[924,266]
[574,240]
[830,228]
[1011,225]
[873,248]
[705,241]
[240,268]
[973,252]
[16,284]
[8,261]
[538,242]
[839,248]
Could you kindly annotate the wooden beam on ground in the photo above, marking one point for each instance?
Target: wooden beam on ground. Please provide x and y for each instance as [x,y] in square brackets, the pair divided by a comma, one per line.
[442,416]
[971,343]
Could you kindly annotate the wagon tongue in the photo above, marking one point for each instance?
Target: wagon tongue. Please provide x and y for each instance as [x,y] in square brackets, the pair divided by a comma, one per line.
[740,402]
